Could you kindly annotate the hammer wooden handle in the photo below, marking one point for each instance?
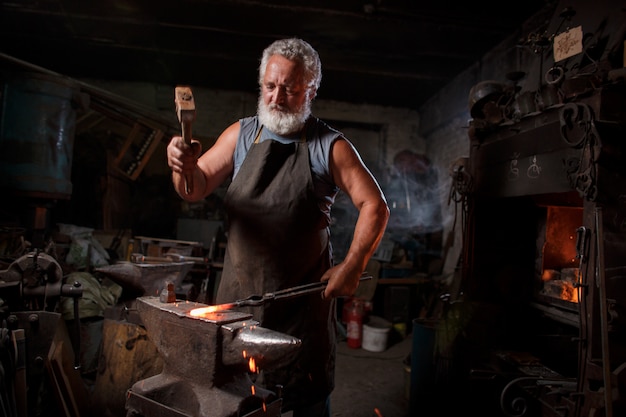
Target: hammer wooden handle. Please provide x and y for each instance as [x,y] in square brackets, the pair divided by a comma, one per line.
[186,112]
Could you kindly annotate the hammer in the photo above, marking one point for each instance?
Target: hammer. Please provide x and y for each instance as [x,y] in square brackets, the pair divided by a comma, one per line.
[186,112]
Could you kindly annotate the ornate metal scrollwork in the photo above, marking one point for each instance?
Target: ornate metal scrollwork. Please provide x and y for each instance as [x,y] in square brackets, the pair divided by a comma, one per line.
[517,406]
[529,391]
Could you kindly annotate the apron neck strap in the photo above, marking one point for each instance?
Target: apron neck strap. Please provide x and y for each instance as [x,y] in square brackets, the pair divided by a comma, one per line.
[258,135]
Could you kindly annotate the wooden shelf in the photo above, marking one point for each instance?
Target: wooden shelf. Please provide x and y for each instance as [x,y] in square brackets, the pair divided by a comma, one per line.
[136,151]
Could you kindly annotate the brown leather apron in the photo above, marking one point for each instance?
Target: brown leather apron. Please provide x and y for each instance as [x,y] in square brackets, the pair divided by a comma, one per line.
[277,238]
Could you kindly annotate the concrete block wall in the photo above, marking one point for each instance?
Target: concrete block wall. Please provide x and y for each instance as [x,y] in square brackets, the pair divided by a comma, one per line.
[217,109]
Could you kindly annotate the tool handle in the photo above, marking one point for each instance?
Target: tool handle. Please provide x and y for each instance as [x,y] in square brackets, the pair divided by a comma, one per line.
[258,300]
[168,257]
[186,131]
[188,183]
[185,110]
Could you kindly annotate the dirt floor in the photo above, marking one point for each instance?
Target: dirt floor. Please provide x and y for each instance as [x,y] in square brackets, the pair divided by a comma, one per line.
[372,384]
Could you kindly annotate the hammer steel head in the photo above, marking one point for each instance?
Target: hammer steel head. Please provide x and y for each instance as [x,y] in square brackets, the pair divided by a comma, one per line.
[185,106]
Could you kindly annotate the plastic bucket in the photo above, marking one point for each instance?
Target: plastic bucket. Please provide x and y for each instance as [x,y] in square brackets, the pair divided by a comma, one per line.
[375,334]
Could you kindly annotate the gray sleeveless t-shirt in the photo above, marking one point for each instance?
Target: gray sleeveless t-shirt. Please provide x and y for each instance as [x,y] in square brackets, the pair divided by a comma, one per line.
[319,138]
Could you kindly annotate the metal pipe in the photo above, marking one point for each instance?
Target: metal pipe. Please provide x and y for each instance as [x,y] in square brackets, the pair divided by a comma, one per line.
[604,329]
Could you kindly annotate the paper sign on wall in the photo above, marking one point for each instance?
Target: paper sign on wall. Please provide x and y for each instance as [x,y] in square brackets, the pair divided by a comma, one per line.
[568,43]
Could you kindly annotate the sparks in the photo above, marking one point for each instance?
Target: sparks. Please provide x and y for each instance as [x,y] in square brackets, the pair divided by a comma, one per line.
[252,365]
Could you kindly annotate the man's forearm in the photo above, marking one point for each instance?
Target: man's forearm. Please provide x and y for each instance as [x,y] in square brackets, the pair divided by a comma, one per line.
[368,232]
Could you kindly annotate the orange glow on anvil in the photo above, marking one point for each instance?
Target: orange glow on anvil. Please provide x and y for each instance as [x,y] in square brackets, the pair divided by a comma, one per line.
[202,311]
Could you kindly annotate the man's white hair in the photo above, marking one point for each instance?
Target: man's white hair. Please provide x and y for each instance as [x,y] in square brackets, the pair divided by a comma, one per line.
[297,50]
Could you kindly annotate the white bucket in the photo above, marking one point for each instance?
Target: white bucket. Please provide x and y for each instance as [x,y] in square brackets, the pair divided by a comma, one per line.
[375,334]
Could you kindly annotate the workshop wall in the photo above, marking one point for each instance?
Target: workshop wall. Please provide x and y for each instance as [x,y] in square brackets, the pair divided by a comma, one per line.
[217,109]
[436,135]
[438,132]
[378,132]
[444,127]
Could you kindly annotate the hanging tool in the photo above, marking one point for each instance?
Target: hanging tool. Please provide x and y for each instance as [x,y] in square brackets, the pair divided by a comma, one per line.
[186,112]
[259,300]
[139,258]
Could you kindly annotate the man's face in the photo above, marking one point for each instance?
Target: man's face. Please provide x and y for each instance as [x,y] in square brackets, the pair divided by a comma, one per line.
[284,103]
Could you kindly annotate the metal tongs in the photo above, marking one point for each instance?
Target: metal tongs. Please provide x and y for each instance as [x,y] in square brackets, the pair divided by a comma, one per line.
[257,300]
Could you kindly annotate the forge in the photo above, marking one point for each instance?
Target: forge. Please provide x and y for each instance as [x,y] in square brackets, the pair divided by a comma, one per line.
[548,275]
[544,267]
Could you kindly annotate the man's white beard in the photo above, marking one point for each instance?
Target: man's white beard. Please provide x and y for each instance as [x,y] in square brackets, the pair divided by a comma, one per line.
[280,122]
